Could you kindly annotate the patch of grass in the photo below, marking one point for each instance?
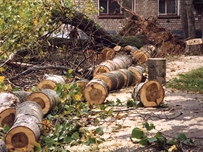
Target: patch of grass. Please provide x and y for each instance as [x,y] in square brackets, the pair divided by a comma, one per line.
[191,81]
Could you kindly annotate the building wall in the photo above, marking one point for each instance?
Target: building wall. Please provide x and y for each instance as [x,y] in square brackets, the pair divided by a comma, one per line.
[145,8]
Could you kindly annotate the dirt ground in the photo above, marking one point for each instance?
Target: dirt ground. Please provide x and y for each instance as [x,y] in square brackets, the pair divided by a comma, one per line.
[183,113]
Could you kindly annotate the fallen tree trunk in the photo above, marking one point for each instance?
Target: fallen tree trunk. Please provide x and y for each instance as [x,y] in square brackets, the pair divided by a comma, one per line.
[87,25]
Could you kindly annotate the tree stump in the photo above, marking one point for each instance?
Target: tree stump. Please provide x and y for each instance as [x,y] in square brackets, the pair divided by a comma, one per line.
[27,127]
[96,92]
[150,93]
[3,147]
[8,103]
[194,47]
[50,82]
[157,69]
[137,72]
[46,98]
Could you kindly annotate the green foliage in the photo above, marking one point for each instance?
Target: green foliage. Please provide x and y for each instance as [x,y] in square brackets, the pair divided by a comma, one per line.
[145,137]
[27,23]
[132,103]
[191,81]
[133,41]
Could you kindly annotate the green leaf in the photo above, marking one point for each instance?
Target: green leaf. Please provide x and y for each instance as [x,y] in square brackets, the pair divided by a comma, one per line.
[152,139]
[137,133]
[6,128]
[143,142]
[148,126]
[182,137]
[75,135]
[59,128]
[110,112]
[102,107]
[172,142]
[100,131]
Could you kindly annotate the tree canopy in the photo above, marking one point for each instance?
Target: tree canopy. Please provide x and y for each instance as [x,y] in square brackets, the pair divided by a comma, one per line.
[25,23]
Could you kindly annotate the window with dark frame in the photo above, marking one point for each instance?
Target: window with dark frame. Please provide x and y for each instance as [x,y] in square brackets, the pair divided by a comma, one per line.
[168,8]
[111,9]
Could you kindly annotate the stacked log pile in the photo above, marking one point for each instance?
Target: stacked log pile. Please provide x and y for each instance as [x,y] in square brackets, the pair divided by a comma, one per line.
[23,112]
[120,72]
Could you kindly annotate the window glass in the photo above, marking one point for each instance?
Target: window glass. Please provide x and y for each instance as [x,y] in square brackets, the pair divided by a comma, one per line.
[162,6]
[114,8]
[104,5]
[171,6]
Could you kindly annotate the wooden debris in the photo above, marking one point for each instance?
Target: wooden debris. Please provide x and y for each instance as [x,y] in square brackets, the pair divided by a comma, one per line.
[8,102]
[27,127]
[109,79]
[117,48]
[46,98]
[130,48]
[91,56]
[50,82]
[118,62]
[107,54]
[3,147]
[137,72]
[150,93]
[96,92]
[157,69]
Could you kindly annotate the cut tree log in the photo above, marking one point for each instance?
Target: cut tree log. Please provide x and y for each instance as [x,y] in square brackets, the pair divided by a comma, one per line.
[117,48]
[92,56]
[8,103]
[130,48]
[141,56]
[96,92]
[82,84]
[109,79]
[157,69]
[50,82]
[46,98]
[150,93]
[128,77]
[137,72]
[3,147]
[27,128]
[104,67]
[106,54]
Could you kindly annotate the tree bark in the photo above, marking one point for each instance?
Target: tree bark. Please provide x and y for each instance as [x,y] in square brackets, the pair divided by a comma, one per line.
[191,19]
[183,17]
[26,129]
[83,22]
